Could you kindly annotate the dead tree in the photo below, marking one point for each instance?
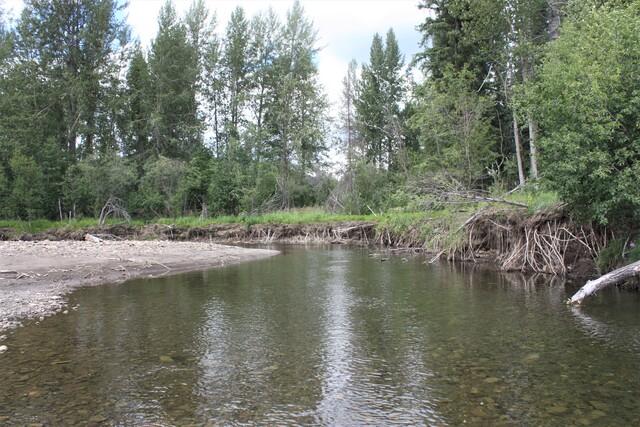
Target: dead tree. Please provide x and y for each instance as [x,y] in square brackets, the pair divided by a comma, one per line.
[616,276]
[113,207]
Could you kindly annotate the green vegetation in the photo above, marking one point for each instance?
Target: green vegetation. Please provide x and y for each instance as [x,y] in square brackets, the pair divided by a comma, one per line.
[306,216]
[536,201]
[43,225]
[591,145]
[210,126]
[618,253]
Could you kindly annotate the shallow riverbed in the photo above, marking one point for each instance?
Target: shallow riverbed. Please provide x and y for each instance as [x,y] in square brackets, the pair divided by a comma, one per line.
[328,337]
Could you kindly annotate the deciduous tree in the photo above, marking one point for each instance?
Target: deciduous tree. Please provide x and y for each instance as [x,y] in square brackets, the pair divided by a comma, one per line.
[173,64]
[587,101]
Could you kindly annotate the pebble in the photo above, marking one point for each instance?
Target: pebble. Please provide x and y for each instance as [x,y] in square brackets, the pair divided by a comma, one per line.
[599,405]
[3,348]
[557,409]
[45,296]
[478,412]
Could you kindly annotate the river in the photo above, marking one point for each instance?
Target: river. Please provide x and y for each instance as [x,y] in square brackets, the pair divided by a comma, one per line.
[328,337]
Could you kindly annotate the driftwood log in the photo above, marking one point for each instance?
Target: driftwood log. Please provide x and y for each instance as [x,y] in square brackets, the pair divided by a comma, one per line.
[93,239]
[616,276]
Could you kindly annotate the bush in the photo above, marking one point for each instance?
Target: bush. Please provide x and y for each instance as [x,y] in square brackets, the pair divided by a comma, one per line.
[588,104]
[618,253]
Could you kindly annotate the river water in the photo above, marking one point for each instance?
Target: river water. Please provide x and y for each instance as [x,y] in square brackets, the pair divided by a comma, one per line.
[328,337]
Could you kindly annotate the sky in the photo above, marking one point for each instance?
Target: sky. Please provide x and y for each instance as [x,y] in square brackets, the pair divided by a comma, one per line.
[345,27]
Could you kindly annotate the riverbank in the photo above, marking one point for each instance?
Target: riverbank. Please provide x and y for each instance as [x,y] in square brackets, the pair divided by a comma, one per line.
[35,275]
[512,238]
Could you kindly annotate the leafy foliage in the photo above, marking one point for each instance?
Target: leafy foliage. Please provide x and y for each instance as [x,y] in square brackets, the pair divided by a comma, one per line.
[235,122]
[587,100]
[453,128]
[28,187]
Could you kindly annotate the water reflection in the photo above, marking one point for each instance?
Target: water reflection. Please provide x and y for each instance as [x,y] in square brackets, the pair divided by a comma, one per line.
[328,338]
[337,396]
[604,330]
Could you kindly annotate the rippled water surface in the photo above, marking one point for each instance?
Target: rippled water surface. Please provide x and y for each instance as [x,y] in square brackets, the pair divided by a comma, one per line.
[328,337]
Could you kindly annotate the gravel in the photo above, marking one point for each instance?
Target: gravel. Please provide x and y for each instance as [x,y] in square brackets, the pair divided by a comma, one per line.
[36,276]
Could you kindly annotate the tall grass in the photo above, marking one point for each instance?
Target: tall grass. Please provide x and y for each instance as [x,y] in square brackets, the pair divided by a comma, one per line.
[536,201]
[41,225]
[396,220]
[303,216]
[285,217]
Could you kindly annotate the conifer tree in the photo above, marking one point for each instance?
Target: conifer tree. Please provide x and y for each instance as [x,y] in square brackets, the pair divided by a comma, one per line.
[379,94]
[173,64]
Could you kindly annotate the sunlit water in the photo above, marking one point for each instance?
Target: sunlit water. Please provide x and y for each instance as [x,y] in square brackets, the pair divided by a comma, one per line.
[328,337]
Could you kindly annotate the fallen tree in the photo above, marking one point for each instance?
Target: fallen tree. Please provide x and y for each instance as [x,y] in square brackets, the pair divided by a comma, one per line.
[616,276]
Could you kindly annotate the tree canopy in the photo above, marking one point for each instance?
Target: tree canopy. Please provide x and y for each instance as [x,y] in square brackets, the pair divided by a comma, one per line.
[227,118]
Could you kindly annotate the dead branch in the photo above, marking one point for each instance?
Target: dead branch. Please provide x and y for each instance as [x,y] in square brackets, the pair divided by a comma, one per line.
[616,276]
[93,239]
[114,206]
[451,193]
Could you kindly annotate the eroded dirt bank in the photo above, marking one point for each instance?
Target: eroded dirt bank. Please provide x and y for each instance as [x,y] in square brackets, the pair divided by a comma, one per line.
[41,268]
[327,232]
[35,275]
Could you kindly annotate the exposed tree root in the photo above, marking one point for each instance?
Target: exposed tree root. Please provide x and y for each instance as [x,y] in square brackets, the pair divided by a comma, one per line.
[546,243]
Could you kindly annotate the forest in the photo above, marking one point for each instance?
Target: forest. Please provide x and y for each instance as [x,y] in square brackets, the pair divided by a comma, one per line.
[211,120]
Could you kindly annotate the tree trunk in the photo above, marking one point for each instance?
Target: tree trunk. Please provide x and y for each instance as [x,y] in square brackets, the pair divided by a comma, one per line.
[554,19]
[533,151]
[529,74]
[616,276]
[516,136]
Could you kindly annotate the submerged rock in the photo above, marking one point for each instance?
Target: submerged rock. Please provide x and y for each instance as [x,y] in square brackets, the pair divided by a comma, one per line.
[557,409]
[166,359]
[98,419]
[599,405]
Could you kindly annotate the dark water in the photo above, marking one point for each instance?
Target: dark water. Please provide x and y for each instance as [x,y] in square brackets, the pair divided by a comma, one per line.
[328,337]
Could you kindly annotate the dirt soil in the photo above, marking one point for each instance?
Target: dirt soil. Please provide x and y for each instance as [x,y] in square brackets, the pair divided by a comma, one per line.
[35,276]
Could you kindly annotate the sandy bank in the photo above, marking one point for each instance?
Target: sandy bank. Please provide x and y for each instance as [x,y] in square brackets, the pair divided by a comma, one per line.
[35,276]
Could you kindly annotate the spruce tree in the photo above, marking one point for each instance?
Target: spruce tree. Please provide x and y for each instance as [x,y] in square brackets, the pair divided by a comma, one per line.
[379,94]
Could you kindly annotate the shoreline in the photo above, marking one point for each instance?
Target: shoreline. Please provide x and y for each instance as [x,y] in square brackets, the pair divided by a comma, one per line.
[36,275]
